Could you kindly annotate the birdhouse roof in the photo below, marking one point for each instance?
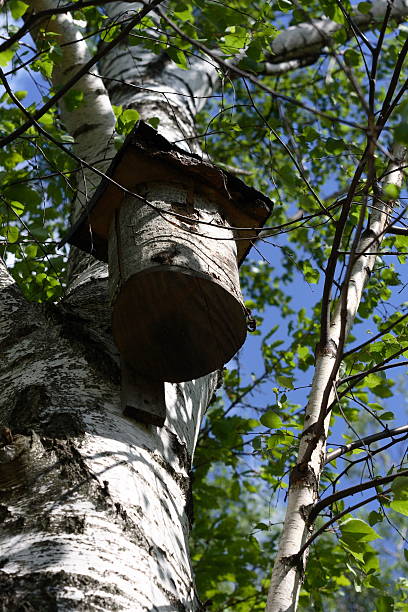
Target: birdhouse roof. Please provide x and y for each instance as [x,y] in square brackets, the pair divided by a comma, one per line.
[146,156]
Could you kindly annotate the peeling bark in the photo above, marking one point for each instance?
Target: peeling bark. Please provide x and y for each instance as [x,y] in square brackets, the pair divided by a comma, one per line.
[95,506]
[98,503]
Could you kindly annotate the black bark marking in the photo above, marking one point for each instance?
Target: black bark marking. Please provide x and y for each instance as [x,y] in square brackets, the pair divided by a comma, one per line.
[43,591]
[296,562]
[88,127]
[165,257]
[180,451]
[76,476]
[189,507]
[64,425]
[75,330]
[27,408]
[303,475]
[19,331]
[4,513]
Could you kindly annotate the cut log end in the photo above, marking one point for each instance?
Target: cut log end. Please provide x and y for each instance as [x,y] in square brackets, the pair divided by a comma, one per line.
[183,326]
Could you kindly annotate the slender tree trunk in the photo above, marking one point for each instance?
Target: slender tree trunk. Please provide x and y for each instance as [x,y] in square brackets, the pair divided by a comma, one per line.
[288,571]
[95,507]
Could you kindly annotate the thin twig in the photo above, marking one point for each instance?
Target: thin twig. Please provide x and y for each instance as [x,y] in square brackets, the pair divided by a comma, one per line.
[382,435]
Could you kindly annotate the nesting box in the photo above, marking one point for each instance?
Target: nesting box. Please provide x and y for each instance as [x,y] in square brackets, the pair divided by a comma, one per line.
[174,229]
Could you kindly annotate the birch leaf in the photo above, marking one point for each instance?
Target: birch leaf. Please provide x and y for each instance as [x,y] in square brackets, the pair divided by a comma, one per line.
[400,490]
[358,530]
[271,420]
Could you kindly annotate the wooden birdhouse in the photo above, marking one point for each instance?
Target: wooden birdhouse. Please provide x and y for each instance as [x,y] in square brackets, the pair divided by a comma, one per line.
[174,229]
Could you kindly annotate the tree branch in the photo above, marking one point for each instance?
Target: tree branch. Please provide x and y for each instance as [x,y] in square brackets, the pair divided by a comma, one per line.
[79,74]
[32,19]
[305,39]
[363,486]
[397,230]
[376,337]
[335,519]
[382,435]
[231,69]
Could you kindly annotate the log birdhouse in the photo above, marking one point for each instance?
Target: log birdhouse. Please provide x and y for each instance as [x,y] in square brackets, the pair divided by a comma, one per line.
[174,229]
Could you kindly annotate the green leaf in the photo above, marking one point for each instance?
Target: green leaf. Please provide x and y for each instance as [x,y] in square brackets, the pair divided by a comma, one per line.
[20,95]
[5,57]
[127,120]
[184,12]
[391,191]
[335,146]
[47,119]
[364,7]
[11,233]
[17,8]
[285,381]
[400,506]
[311,275]
[284,5]
[358,530]
[17,207]
[384,603]
[257,443]
[399,489]
[303,352]
[178,56]
[31,251]
[111,33]
[237,38]
[401,133]
[271,420]
[38,232]
[154,122]
[24,194]
[44,66]
[374,518]
[387,416]
[352,57]
[73,99]
[401,243]
[117,110]
[262,527]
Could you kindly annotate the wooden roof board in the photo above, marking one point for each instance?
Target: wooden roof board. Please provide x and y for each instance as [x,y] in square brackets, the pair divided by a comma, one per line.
[147,156]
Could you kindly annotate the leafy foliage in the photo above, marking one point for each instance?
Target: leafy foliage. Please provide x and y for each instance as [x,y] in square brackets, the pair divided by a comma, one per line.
[299,138]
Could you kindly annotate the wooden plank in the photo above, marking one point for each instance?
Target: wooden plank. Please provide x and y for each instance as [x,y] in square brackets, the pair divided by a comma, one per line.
[142,399]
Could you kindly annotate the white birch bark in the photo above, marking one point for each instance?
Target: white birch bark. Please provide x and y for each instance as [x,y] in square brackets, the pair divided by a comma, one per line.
[95,506]
[287,576]
[155,86]
[92,123]
[306,39]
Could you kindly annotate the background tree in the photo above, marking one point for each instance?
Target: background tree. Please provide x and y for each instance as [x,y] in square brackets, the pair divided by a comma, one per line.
[305,99]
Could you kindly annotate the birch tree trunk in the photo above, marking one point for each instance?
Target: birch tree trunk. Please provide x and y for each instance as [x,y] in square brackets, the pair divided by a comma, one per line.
[289,568]
[95,507]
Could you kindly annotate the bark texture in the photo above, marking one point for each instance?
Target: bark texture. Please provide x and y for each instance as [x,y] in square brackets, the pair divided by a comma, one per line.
[178,312]
[288,571]
[95,506]
[308,39]
[155,86]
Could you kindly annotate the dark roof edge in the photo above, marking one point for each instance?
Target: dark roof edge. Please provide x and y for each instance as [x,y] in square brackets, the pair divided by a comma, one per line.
[145,137]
